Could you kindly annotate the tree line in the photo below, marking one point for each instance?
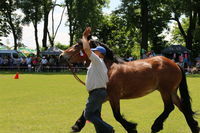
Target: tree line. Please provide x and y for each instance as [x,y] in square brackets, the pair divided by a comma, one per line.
[134,25]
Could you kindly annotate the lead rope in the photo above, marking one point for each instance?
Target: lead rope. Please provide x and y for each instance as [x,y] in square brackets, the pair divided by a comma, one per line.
[75,76]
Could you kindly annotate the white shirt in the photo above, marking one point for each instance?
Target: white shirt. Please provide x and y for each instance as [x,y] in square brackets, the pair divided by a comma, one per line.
[28,60]
[97,73]
[44,61]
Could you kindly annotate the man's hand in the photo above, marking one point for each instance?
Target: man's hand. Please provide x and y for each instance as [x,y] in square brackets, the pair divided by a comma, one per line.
[87,32]
[86,46]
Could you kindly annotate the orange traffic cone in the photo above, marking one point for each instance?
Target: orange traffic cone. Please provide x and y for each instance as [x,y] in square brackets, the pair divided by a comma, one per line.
[16,76]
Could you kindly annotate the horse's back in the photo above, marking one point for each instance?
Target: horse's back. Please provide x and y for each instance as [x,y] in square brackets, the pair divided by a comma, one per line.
[170,75]
[140,77]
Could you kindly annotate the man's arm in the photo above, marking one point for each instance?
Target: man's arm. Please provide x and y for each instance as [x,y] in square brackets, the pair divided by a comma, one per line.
[86,46]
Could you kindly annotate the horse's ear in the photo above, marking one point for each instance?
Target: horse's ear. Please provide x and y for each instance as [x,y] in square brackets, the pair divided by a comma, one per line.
[93,44]
[89,37]
[80,42]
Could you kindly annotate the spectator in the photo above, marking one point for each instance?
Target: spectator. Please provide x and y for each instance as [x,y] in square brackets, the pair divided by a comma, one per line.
[198,62]
[181,60]
[174,57]
[143,53]
[152,53]
[11,63]
[23,63]
[35,63]
[144,56]
[17,62]
[130,58]
[44,63]
[198,65]
[1,61]
[5,62]
[52,63]
[29,63]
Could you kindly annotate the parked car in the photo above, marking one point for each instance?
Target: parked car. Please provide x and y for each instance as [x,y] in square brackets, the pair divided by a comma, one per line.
[11,53]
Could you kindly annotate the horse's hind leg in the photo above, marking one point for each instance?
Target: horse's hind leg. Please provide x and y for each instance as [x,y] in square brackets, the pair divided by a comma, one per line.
[189,117]
[130,127]
[168,108]
[80,123]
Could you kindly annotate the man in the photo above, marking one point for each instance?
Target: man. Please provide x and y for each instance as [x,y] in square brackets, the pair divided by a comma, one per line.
[96,81]
[1,61]
[43,63]
[28,63]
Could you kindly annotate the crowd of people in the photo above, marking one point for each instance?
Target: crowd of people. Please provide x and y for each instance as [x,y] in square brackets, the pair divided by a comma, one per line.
[146,54]
[31,63]
[51,62]
[182,59]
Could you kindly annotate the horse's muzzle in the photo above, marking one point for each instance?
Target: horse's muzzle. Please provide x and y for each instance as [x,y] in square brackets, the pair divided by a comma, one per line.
[62,59]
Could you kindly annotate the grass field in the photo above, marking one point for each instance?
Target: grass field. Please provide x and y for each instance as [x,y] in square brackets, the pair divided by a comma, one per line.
[50,103]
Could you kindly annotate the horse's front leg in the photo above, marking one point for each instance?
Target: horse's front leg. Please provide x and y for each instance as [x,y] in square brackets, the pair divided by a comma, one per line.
[129,126]
[80,123]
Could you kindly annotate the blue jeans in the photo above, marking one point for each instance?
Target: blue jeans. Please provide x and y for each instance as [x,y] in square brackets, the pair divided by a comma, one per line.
[93,111]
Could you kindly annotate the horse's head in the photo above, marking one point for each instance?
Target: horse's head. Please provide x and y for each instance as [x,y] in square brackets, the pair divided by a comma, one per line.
[73,54]
[76,54]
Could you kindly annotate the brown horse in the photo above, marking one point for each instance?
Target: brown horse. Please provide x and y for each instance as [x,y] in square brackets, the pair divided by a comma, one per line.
[136,79]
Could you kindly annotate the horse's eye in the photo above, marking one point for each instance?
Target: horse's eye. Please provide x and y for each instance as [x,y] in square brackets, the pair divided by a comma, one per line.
[76,46]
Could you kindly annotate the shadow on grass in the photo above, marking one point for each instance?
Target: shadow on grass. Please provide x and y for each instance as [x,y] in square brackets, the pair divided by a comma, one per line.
[193,75]
[43,73]
[69,73]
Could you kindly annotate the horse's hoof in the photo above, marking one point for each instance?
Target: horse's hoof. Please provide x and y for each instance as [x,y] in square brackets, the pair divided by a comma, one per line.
[113,131]
[132,131]
[75,129]
[197,130]
[156,128]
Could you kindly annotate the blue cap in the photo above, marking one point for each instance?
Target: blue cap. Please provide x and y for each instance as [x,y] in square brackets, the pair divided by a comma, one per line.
[100,49]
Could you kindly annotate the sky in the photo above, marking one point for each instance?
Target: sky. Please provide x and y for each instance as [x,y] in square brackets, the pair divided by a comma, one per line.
[28,37]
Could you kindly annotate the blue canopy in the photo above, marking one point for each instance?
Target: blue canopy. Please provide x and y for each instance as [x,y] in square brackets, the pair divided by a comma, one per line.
[175,49]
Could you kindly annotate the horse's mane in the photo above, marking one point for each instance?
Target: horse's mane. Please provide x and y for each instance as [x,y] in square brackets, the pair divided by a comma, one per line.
[109,53]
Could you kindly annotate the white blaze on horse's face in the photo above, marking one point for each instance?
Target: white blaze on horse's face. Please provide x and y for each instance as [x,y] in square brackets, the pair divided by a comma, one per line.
[63,56]
[67,54]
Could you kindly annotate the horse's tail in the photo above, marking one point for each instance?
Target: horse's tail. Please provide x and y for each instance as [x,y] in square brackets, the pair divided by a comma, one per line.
[185,96]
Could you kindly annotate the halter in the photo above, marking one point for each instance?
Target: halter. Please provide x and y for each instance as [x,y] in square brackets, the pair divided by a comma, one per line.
[70,68]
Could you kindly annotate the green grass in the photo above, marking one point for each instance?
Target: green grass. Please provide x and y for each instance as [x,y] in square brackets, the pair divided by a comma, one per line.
[51,103]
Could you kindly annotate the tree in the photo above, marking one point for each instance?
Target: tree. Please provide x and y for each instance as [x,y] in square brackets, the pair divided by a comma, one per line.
[159,18]
[144,23]
[70,4]
[189,8]
[11,20]
[54,32]
[47,6]
[61,46]
[150,18]
[178,38]
[114,32]
[136,13]
[82,14]
[4,27]
[33,14]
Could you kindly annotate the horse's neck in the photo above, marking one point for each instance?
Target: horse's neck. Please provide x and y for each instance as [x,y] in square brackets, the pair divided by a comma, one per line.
[108,63]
